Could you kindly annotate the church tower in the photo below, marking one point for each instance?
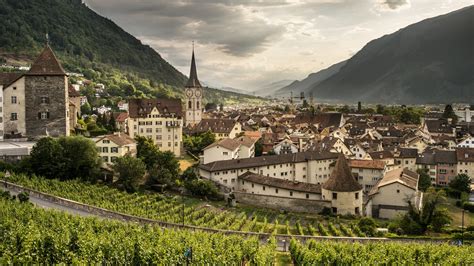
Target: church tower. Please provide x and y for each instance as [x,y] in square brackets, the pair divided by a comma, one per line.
[193,96]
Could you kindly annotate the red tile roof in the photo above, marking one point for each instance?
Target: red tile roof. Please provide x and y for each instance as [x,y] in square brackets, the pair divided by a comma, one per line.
[46,64]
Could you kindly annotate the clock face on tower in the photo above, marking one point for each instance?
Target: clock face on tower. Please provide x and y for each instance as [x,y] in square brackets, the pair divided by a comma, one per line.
[189,93]
[198,93]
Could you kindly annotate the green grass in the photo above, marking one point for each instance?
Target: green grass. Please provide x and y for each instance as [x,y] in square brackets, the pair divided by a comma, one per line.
[283,258]
[456,214]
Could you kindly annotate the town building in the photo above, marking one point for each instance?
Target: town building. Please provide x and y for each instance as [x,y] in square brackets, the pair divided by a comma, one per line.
[111,147]
[390,196]
[221,128]
[36,103]
[229,149]
[158,119]
[465,159]
[367,172]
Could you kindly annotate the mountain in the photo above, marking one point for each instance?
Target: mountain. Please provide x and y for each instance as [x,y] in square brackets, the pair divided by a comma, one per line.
[88,43]
[431,61]
[313,79]
[270,89]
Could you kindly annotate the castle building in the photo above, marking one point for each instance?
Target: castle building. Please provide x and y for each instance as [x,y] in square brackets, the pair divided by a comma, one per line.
[35,103]
[158,119]
[193,97]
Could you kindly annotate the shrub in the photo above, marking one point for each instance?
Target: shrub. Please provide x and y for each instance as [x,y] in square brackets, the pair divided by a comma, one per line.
[202,188]
[23,197]
[468,206]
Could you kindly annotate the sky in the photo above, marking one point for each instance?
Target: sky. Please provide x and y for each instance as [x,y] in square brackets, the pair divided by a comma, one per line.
[247,44]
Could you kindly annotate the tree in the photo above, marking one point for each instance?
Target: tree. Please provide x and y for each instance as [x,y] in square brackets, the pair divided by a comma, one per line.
[359,106]
[86,109]
[258,148]
[65,158]
[45,158]
[368,226]
[165,170]
[202,188]
[112,126]
[449,113]
[189,175]
[210,106]
[305,104]
[130,171]
[430,216]
[461,183]
[424,182]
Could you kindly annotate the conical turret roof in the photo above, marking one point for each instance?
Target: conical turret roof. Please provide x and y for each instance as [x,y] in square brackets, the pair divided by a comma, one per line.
[46,64]
[341,178]
[193,80]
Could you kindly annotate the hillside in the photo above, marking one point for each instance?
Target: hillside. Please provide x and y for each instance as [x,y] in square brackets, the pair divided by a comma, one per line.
[428,62]
[270,89]
[88,43]
[313,79]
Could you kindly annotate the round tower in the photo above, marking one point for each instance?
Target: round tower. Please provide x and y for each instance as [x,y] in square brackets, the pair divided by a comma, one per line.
[343,190]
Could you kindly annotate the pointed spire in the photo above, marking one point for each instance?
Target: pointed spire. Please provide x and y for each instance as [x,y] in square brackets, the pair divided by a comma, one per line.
[193,80]
[341,178]
[46,64]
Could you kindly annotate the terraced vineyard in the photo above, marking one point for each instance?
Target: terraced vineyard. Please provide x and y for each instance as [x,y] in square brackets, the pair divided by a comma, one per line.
[30,235]
[158,207]
[344,253]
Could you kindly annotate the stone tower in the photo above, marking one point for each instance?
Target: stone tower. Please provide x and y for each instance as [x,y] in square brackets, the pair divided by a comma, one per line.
[343,190]
[193,97]
[46,92]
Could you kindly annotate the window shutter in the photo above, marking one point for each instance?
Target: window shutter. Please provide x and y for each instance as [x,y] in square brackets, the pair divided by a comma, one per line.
[39,115]
[47,115]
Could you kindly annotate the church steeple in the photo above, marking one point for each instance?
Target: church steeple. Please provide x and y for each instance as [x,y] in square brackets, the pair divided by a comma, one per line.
[193,81]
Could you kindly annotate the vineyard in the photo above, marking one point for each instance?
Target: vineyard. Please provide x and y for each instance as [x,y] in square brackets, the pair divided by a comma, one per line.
[32,235]
[166,209]
[332,253]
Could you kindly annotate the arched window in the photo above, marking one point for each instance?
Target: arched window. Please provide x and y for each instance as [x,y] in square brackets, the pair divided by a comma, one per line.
[197,105]
[190,105]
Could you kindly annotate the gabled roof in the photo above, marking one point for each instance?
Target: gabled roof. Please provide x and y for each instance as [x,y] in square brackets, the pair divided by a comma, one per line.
[8,78]
[403,176]
[367,164]
[465,154]
[193,81]
[215,125]
[143,107]
[341,179]
[120,117]
[281,183]
[119,139]
[267,160]
[72,92]
[230,144]
[46,64]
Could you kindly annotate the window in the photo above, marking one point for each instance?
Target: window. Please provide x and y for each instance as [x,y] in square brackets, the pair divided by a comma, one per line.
[14,88]
[105,158]
[197,105]
[356,210]
[225,153]
[113,159]
[291,193]
[334,210]
[334,196]
[14,117]
[190,104]
[105,149]
[307,196]
[263,188]
[276,190]
[114,150]
[44,99]
[398,190]
[106,141]
[357,195]
[13,99]
[252,185]
[43,115]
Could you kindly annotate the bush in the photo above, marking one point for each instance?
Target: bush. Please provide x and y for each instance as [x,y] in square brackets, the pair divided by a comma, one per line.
[326,211]
[367,226]
[202,188]
[23,197]
[468,206]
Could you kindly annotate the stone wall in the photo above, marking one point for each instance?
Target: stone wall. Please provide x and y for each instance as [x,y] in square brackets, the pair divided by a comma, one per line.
[55,89]
[282,203]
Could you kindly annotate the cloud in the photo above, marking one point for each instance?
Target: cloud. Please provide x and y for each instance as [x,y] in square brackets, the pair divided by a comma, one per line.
[230,25]
[392,5]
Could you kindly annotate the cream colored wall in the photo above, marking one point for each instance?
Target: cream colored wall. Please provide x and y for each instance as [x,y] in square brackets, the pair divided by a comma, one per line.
[388,195]
[253,188]
[466,168]
[171,137]
[18,126]
[370,177]
[246,152]
[216,153]
[390,214]
[345,202]
[107,155]
[319,170]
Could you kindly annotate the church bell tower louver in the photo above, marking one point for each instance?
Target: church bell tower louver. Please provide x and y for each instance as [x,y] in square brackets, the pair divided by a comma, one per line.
[193,96]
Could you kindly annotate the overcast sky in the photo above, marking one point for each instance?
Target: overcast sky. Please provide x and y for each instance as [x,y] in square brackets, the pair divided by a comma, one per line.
[247,44]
